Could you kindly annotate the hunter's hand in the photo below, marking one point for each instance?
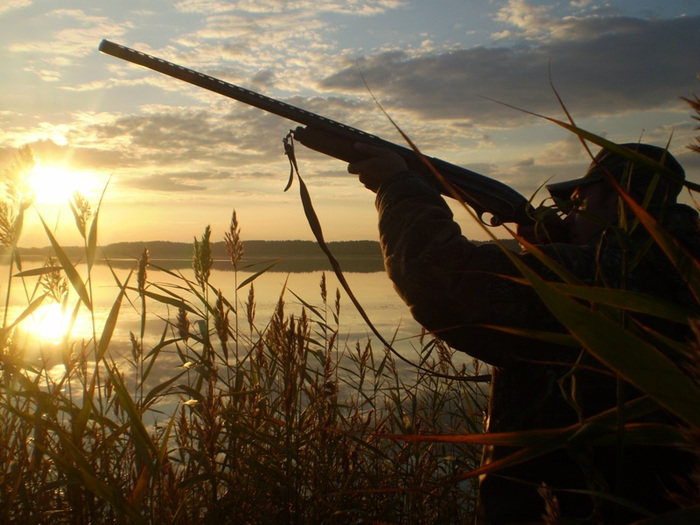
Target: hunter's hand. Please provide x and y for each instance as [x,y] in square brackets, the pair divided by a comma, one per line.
[379,164]
[550,230]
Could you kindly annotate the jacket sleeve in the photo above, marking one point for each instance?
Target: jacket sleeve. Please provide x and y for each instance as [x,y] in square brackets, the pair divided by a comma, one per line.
[454,287]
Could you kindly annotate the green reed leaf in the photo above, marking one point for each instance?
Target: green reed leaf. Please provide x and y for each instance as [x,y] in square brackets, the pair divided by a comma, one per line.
[689,516]
[627,300]
[111,321]
[161,387]
[627,153]
[145,447]
[630,301]
[652,434]
[35,272]
[172,301]
[686,265]
[76,468]
[165,438]
[556,338]
[92,234]
[155,351]
[29,310]
[68,268]
[78,424]
[259,273]
[637,361]
[535,443]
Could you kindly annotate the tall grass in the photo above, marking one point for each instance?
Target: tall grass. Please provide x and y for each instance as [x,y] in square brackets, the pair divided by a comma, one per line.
[265,421]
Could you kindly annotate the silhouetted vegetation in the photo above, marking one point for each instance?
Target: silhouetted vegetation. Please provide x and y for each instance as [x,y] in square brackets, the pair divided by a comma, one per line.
[273,420]
[279,420]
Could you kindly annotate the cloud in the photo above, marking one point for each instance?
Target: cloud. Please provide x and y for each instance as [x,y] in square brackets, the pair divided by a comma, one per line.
[362,7]
[169,182]
[66,46]
[11,5]
[526,20]
[599,66]
[226,141]
[292,42]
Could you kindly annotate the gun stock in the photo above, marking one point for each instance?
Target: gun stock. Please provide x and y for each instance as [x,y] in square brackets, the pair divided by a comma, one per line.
[485,195]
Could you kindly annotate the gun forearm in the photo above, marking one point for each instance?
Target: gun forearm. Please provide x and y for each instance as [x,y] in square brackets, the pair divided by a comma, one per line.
[485,195]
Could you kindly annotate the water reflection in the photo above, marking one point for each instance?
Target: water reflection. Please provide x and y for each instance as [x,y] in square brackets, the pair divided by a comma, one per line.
[135,347]
[373,290]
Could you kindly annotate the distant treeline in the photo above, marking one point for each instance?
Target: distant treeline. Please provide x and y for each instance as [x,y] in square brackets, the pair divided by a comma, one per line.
[285,256]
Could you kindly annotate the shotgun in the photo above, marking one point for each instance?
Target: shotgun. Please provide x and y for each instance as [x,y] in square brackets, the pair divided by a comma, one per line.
[488,197]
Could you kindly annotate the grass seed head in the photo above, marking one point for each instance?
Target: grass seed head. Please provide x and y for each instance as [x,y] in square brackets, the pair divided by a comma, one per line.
[250,306]
[233,243]
[324,290]
[136,348]
[221,320]
[203,261]
[183,324]
[8,225]
[18,188]
[142,271]
[694,104]
[82,213]
[54,283]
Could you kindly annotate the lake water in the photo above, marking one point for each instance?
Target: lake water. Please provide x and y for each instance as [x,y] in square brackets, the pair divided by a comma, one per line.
[373,290]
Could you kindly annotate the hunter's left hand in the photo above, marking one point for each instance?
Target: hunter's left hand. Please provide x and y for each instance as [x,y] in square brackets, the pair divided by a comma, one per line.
[379,164]
[550,230]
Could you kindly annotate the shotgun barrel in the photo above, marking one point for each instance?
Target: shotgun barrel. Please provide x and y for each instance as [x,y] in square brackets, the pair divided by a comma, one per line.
[488,197]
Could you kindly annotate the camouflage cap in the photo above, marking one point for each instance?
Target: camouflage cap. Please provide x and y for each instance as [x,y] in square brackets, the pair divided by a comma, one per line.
[620,168]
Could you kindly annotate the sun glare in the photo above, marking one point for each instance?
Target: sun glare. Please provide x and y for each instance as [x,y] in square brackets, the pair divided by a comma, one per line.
[56,184]
[49,323]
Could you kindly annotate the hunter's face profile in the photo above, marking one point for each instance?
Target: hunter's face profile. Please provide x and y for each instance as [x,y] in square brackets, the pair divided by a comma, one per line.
[596,206]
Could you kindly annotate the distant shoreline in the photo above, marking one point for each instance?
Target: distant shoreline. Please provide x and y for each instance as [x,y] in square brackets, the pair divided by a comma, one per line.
[281,256]
[284,256]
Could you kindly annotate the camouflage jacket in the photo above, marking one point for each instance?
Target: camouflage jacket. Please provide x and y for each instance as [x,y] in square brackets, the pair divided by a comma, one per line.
[456,289]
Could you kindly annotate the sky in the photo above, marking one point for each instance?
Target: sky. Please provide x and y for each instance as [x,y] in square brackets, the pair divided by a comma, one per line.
[461,78]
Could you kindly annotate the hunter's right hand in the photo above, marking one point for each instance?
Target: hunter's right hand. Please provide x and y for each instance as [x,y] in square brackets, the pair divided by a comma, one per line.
[379,164]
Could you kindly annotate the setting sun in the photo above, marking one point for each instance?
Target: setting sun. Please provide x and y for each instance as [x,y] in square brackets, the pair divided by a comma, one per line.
[56,184]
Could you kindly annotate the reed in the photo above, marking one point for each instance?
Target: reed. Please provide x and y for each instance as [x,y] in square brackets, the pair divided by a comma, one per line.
[265,421]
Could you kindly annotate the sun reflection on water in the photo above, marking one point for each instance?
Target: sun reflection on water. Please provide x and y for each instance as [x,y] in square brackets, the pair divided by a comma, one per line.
[50,323]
